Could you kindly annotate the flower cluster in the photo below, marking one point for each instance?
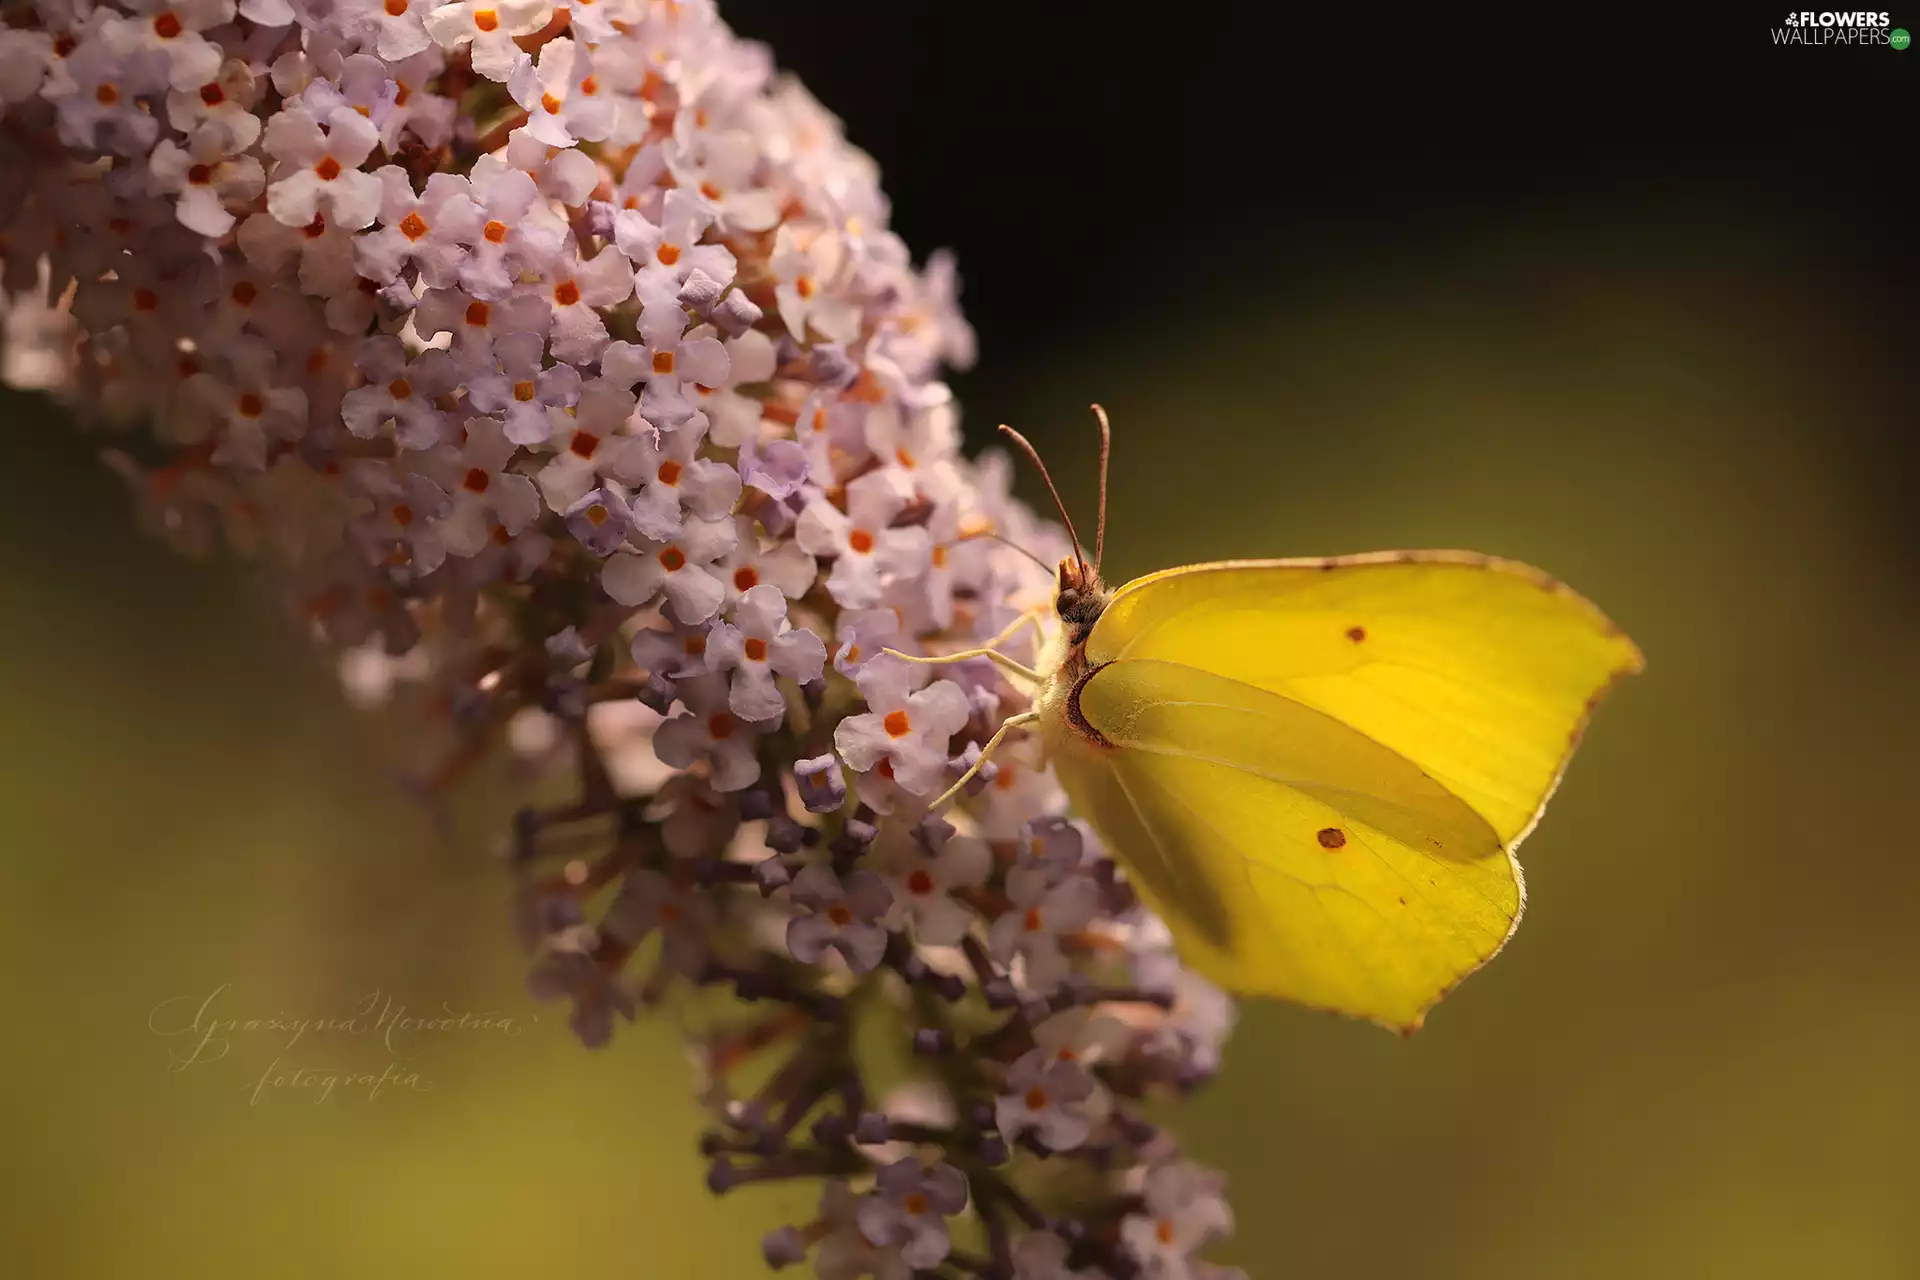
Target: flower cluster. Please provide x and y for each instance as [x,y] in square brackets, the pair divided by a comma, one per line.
[559,361]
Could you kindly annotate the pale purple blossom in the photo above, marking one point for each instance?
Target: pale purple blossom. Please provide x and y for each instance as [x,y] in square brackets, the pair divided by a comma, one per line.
[758,645]
[847,916]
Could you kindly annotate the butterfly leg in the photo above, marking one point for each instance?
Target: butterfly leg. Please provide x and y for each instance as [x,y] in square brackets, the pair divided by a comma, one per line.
[1029,617]
[999,659]
[1006,726]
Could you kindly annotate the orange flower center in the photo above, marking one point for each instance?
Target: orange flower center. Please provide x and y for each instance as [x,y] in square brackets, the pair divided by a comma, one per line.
[251,405]
[486,19]
[200,175]
[106,95]
[745,578]
[584,444]
[755,648]
[920,883]
[523,391]
[167,25]
[720,726]
[396,7]
[669,472]
[673,559]
[668,254]
[1034,922]
[402,514]
[839,915]
[663,362]
[413,226]
[400,389]
[477,313]
[212,94]
[597,515]
[1036,1099]
[804,286]
[244,293]
[566,293]
[550,104]
[494,232]
[861,541]
[897,724]
[328,169]
[476,480]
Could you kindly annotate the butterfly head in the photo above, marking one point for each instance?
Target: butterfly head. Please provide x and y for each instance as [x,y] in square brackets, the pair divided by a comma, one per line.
[1080,599]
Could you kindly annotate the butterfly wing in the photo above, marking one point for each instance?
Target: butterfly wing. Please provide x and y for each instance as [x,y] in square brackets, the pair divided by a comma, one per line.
[1480,671]
[1333,823]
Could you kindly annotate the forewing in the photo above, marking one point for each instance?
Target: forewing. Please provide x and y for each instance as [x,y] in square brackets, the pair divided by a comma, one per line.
[1291,856]
[1479,671]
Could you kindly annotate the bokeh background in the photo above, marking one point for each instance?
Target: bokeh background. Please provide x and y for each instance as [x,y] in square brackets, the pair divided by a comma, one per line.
[1634,301]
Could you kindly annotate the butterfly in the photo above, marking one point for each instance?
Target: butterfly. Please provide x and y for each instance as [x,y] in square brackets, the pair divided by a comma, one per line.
[1315,771]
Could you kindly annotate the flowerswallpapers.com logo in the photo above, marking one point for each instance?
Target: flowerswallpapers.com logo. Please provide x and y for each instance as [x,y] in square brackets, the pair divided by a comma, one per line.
[1806,27]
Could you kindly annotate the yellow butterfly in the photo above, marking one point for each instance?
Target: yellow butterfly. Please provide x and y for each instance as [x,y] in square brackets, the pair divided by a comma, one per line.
[1317,771]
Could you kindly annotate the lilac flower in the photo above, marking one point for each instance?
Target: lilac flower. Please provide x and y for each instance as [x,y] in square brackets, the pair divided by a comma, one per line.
[519,233]
[1043,909]
[523,389]
[429,230]
[907,730]
[671,359]
[822,786]
[595,995]
[576,288]
[673,483]
[171,30]
[846,916]
[650,902]
[565,102]
[1046,1096]
[707,731]
[207,178]
[755,560]
[681,568]
[668,253]
[1184,1210]
[924,879]
[599,521]
[758,645]
[319,168]
[400,395]
[864,633]
[488,28]
[909,1207]
[588,440]
[486,495]
[475,323]
[806,274]
[868,552]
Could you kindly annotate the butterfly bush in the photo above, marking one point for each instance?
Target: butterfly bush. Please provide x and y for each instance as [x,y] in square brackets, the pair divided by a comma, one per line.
[558,364]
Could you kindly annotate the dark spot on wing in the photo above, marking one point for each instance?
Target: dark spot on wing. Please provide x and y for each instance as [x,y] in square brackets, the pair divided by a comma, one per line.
[1356,634]
[1331,837]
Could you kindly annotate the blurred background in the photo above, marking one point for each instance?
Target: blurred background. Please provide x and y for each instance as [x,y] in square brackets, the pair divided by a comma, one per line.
[1633,301]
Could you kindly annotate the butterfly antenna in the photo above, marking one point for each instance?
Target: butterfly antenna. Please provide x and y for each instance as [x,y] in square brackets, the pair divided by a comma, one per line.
[1100,532]
[1005,542]
[1061,507]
